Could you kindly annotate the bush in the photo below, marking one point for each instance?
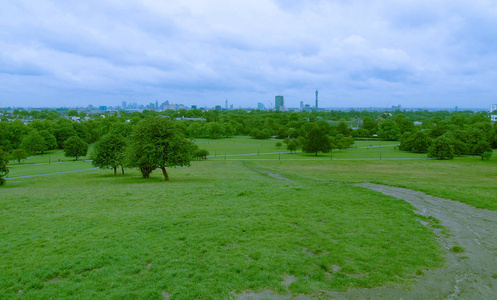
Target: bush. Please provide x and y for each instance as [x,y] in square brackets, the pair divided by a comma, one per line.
[486,155]
[200,154]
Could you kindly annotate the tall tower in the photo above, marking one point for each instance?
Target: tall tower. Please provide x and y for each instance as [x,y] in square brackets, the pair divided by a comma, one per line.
[226,104]
[316,99]
[279,102]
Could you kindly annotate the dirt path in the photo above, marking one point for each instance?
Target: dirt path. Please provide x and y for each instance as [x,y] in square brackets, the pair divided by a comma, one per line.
[471,274]
[468,275]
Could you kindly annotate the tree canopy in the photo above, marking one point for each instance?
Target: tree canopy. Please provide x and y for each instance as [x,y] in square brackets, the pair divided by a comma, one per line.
[157,143]
[4,170]
[75,147]
[315,141]
[108,152]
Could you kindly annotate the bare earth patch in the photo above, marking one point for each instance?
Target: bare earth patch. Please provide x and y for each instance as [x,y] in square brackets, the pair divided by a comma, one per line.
[470,270]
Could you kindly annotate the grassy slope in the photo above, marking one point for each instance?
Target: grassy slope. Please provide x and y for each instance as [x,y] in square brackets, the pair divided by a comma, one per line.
[217,228]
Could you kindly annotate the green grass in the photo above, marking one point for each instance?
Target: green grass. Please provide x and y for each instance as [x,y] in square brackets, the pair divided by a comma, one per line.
[51,156]
[467,179]
[220,228]
[216,229]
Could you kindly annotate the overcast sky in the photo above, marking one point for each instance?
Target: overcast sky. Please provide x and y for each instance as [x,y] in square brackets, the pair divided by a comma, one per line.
[419,53]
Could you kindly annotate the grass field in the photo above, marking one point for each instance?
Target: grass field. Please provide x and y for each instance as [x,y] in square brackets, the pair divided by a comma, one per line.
[220,228]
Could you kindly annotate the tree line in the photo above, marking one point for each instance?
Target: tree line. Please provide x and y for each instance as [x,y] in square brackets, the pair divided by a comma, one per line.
[441,134]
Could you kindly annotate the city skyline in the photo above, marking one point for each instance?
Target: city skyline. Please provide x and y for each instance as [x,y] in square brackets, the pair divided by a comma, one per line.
[357,54]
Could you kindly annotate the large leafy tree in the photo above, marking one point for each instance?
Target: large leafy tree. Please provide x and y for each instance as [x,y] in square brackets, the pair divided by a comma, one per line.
[315,141]
[108,152]
[75,147]
[4,170]
[157,143]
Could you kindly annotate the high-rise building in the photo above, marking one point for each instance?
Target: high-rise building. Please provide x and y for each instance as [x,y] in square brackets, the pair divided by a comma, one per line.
[316,99]
[493,107]
[279,102]
[123,106]
[226,104]
[301,104]
[260,106]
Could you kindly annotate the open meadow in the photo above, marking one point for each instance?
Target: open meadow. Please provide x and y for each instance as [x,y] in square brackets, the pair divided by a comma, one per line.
[241,221]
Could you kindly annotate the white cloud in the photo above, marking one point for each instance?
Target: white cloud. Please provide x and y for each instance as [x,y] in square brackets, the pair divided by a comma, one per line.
[367,53]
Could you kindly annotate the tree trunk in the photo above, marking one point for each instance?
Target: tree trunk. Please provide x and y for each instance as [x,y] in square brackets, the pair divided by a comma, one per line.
[122,169]
[166,177]
[115,170]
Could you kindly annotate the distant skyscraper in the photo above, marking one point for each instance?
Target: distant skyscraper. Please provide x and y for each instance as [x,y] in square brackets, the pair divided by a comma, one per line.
[301,104]
[226,104]
[260,106]
[156,104]
[124,105]
[316,99]
[493,107]
[279,102]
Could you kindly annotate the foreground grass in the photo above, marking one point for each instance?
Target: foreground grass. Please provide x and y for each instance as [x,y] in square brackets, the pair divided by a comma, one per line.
[217,229]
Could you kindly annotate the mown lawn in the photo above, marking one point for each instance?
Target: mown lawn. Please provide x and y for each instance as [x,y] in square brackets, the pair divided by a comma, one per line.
[215,230]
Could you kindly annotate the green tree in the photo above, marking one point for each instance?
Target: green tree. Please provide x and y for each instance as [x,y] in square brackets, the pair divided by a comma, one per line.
[315,141]
[19,154]
[200,154]
[75,147]
[486,155]
[292,145]
[369,124]
[278,144]
[108,152]
[4,170]
[420,142]
[343,128]
[157,143]
[215,130]
[33,142]
[389,130]
[50,141]
[481,147]
[441,148]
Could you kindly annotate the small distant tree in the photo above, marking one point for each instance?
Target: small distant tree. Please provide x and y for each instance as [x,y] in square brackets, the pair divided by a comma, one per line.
[108,152]
[278,145]
[441,148]
[4,170]
[75,147]
[292,145]
[19,154]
